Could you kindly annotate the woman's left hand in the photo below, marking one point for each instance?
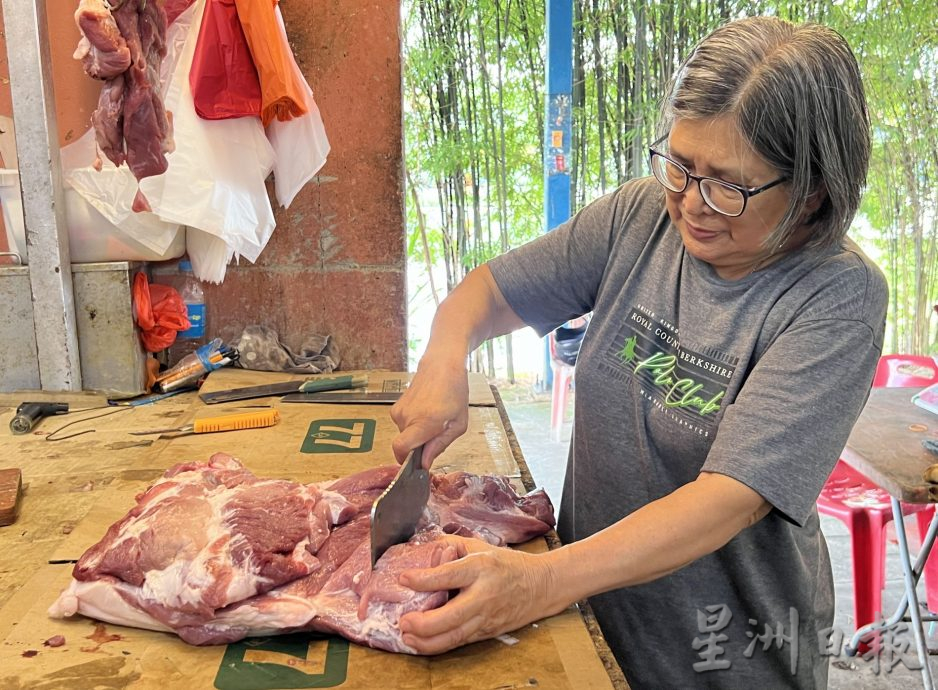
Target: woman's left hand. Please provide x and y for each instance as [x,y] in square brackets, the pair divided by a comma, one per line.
[500,590]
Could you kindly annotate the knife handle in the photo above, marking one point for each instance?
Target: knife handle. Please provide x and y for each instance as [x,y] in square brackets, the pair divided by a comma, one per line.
[334,383]
[234,422]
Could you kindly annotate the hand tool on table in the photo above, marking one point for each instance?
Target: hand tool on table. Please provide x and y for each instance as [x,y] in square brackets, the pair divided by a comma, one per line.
[148,399]
[230,422]
[284,387]
[28,415]
[361,397]
[395,514]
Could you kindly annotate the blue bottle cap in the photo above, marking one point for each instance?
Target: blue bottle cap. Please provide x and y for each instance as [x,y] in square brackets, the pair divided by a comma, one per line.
[185,265]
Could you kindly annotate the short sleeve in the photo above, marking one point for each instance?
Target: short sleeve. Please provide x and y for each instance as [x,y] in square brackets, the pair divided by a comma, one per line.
[557,276]
[785,430]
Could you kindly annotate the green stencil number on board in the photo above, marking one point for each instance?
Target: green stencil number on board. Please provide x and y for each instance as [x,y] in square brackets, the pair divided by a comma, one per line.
[288,661]
[339,436]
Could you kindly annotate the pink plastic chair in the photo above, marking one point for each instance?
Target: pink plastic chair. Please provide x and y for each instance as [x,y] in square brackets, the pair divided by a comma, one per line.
[562,358]
[560,393]
[866,509]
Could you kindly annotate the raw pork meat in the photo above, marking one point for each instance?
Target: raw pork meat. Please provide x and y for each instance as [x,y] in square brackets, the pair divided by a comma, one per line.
[206,536]
[102,49]
[338,593]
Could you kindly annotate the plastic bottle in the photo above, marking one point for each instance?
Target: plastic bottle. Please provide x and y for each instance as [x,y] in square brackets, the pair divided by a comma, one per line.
[194,298]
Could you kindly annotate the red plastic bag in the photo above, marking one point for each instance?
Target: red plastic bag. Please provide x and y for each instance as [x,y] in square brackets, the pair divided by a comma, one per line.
[173,8]
[223,77]
[160,313]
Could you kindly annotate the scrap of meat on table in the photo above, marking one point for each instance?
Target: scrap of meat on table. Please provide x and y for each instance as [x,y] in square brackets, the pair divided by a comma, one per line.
[215,554]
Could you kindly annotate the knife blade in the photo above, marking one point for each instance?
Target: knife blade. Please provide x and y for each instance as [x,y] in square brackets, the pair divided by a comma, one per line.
[395,514]
[364,398]
[249,392]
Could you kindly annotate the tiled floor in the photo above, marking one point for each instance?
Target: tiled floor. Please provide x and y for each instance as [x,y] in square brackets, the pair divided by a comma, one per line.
[529,413]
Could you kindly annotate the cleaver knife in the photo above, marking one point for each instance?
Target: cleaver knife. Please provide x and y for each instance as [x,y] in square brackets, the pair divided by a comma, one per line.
[305,387]
[395,514]
[358,397]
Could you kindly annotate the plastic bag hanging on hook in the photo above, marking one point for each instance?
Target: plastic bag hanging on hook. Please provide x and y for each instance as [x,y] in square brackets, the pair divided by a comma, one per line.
[300,145]
[223,78]
[215,182]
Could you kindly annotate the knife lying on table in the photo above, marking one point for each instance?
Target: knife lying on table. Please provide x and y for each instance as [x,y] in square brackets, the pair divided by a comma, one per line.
[210,425]
[394,516]
[352,398]
[284,387]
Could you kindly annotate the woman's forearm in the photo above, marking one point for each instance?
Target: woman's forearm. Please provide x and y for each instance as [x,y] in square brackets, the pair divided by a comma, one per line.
[434,410]
[474,312]
[659,538]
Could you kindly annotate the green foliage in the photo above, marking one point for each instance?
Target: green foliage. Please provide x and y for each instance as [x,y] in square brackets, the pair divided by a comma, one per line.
[474,107]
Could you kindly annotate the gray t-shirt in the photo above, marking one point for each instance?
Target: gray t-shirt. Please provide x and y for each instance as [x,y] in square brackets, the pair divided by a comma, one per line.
[681,371]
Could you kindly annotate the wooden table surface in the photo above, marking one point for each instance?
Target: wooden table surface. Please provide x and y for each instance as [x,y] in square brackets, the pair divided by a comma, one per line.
[74,488]
[886,443]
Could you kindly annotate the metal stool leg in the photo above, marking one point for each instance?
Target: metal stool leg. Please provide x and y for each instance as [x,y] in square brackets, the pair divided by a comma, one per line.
[910,579]
[866,634]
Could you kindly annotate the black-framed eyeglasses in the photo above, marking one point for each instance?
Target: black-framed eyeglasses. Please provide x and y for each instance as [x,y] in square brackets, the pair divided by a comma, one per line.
[723,197]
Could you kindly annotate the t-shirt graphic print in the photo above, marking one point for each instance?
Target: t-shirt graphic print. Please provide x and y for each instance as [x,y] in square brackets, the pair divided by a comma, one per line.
[683,383]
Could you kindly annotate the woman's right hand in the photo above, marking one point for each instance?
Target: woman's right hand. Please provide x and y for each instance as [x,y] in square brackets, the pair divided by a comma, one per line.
[434,410]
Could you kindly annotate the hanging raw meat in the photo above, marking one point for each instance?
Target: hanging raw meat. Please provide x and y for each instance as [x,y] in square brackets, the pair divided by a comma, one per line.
[123,43]
[102,49]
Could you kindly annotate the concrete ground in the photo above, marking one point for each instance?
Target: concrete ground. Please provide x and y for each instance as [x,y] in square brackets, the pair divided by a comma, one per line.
[529,412]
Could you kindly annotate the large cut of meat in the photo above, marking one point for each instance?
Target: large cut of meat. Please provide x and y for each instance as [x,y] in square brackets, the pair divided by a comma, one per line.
[215,554]
[208,535]
[124,48]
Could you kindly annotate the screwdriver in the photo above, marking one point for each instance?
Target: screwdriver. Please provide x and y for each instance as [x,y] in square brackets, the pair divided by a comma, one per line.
[229,422]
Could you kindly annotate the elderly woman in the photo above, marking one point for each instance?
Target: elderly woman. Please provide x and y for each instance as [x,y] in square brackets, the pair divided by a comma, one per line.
[734,336]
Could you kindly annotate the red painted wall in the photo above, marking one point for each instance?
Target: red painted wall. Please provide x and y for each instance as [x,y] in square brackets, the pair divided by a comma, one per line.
[336,262]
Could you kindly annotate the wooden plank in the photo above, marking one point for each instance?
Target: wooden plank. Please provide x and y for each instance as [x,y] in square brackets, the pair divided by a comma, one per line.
[11,486]
[43,195]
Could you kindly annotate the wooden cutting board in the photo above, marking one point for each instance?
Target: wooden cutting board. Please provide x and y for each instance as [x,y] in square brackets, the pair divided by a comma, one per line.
[11,486]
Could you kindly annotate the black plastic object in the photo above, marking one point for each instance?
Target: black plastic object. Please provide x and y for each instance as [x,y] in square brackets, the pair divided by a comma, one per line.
[28,415]
[567,342]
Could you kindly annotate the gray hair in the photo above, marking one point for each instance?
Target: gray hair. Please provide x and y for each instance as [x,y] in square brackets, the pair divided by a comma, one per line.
[797,96]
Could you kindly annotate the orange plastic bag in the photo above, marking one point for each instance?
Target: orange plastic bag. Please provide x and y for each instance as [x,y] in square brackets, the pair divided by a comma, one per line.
[223,78]
[160,313]
[283,97]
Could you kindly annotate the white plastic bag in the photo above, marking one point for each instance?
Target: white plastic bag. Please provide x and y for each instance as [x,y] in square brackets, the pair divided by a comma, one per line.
[215,179]
[300,144]
[111,192]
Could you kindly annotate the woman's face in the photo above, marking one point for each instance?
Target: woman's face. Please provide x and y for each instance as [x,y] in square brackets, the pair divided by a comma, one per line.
[714,148]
